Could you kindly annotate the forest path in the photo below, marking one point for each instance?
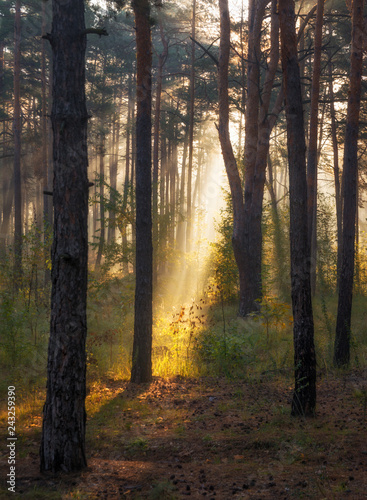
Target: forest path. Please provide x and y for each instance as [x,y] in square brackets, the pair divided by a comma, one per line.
[213,438]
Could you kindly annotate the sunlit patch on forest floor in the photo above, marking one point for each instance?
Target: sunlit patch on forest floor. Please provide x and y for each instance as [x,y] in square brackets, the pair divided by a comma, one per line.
[214,438]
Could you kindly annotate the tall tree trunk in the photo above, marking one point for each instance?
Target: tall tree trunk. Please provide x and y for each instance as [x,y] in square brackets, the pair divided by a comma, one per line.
[47,202]
[350,174]
[7,205]
[17,126]
[304,396]
[191,131]
[247,238]
[227,150]
[102,152]
[157,119]
[172,196]
[142,347]
[64,417]
[181,202]
[338,197]
[312,155]
[127,181]
[111,234]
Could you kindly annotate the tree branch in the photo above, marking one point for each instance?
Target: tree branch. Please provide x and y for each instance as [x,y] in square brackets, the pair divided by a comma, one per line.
[206,51]
[95,31]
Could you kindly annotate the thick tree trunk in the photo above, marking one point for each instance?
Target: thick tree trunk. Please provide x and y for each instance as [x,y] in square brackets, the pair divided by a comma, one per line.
[247,238]
[17,126]
[227,150]
[142,347]
[64,417]
[350,174]
[312,155]
[254,168]
[304,397]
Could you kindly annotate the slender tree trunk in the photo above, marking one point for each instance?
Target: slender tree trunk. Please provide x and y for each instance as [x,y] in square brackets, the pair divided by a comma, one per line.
[350,175]
[47,202]
[133,179]
[17,126]
[127,181]
[312,156]
[304,396]
[161,62]
[181,204]
[102,152]
[163,200]
[7,205]
[64,417]
[191,131]
[111,235]
[172,196]
[338,197]
[142,347]
[279,253]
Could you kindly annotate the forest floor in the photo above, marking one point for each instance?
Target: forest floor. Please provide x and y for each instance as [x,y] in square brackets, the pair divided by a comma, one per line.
[208,438]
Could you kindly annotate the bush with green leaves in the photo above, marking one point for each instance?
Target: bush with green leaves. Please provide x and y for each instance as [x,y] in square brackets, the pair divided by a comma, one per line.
[222,267]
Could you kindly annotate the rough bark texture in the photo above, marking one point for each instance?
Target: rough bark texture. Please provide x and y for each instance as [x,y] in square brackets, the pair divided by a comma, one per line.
[255,166]
[142,347]
[304,397]
[227,150]
[350,174]
[63,432]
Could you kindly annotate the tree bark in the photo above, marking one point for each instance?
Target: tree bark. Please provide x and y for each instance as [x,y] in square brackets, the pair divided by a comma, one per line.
[247,236]
[157,118]
[17,126]
[304,396]
[350,174]
[64,417]
[111,235]
[47,202]
[102,152]
[191,132]
[338,196]
[127,181]
[230,163]
[142,347]
[312,155]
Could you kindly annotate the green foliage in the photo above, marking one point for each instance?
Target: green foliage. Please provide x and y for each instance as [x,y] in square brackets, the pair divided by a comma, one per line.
[119,213]
[24,314]
[246,347]
[110,324]
[222,264]
[326,245]
[276,255]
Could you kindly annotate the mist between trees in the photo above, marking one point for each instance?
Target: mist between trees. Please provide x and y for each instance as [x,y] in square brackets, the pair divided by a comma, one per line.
[202,145]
